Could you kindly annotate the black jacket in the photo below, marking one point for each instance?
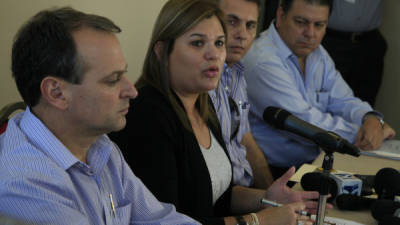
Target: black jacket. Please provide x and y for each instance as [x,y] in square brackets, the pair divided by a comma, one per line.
[168,159]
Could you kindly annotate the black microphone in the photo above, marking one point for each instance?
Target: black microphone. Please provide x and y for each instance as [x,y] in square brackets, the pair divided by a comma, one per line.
[389,220]
[383,207]
[313,182]
[387,183]
[368,182]
[353,202]
[329,141]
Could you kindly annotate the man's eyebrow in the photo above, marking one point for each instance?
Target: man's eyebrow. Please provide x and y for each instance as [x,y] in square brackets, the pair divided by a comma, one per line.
[308,21]
[118,72]
[301,18]
[233,16]
[252,22]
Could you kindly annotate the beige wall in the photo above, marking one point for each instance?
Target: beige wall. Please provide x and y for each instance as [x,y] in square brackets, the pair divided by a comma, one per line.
[135,17]
[388,100]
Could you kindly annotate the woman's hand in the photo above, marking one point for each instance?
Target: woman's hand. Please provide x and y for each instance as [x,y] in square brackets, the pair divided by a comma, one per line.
[284,215]
[281,193]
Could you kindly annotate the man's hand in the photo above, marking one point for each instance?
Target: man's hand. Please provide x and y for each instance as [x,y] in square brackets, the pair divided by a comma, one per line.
[388,132]
[371,135]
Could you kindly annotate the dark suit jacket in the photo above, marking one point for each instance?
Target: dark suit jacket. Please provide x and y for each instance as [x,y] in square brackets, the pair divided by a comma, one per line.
[168,159]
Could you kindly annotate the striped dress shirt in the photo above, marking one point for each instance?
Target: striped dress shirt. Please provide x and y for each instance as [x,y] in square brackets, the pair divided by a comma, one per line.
[42,182]
[233,85]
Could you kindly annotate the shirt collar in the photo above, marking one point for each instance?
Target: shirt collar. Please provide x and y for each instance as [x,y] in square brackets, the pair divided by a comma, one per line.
[237,68]
[41,137]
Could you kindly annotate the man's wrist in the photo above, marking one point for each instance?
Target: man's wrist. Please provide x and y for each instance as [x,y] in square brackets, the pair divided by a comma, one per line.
[377,115]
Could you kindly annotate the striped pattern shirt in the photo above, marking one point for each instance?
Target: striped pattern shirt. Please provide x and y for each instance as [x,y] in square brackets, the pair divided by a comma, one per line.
[233,85]
[42,182]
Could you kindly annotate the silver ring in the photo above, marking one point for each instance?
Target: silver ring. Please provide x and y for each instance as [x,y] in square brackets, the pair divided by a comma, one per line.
[299,222]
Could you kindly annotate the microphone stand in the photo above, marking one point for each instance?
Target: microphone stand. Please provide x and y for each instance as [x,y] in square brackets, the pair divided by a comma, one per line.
[327,165]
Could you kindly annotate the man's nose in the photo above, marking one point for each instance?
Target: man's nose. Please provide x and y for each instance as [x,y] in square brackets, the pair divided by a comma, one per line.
[309,31]
[241,32]
[128,90]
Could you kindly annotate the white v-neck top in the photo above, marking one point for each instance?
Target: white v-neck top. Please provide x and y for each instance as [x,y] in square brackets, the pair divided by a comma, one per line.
[218,166]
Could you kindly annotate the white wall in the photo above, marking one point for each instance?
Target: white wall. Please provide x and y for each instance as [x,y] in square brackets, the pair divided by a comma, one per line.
[135,17]
[388,100]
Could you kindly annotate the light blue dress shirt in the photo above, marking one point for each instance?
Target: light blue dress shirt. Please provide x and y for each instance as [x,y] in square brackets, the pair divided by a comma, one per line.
[232,84]
[42,182]
[321,97]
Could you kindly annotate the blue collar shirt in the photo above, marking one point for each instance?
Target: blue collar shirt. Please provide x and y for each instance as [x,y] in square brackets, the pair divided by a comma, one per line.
[320,97]
[232,84]
[42,182]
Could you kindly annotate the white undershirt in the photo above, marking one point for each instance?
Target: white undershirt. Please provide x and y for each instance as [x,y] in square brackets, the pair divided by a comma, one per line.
[218,166]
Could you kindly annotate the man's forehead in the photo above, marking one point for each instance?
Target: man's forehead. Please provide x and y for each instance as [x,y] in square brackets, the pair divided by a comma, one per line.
[242,9]
[311,12]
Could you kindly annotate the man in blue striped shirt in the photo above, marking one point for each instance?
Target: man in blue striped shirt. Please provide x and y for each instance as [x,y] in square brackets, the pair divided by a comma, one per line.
[230,97]
[57,166]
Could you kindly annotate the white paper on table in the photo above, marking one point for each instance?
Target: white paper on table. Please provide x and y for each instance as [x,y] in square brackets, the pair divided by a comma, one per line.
[338,221]
[390,149]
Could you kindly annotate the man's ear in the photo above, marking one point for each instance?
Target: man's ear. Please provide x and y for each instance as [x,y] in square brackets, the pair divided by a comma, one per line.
[53,92]
[158,47]
[279,16]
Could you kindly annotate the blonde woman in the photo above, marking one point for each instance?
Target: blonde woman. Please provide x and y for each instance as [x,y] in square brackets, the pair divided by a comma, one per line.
[181,156]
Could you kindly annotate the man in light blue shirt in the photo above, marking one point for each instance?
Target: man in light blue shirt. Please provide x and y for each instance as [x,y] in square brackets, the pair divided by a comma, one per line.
[288,68]
[230,97]
[57,166]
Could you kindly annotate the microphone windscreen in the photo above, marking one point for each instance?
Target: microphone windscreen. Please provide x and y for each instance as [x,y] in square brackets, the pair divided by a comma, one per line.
[387,183]
[368,182]
[313,182]
[390,220]
[275,116]
[353,202]
[384,207]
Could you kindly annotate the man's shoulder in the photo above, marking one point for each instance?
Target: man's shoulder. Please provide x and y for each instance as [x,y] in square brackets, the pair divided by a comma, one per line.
[24,169]
[20,158]
[263,50]
[264,45]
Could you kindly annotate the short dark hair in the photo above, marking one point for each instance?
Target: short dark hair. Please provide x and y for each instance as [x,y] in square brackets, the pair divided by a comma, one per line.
[287,4]
[44,46]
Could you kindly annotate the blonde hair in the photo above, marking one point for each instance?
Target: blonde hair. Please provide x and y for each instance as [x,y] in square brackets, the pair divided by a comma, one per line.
[175,18]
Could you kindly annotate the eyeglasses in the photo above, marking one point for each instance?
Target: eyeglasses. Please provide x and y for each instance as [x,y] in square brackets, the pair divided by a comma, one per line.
[235,118]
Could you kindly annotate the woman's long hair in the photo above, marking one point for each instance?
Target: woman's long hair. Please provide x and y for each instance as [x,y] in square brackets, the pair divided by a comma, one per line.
[176,18]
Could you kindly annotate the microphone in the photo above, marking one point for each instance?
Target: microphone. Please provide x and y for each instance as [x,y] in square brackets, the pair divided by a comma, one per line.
[329,141]
[313,182]
[385,207]
[389,220]
[387,183]
[368,182]
[353,202]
